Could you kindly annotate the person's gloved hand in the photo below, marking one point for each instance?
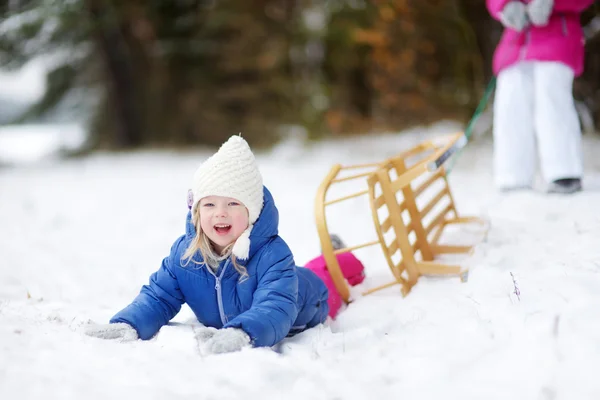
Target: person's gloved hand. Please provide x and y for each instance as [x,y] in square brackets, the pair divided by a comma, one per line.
[205,332]
[514,16]
[120,330]
[539,11]
[226,340]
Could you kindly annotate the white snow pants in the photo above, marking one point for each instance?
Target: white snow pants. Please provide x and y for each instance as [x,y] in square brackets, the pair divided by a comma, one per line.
[534,100]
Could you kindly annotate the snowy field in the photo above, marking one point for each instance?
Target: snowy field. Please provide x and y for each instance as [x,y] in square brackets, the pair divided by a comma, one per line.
[78,238]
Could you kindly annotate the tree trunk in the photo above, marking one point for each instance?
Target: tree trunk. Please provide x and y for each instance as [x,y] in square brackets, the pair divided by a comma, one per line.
[120,73]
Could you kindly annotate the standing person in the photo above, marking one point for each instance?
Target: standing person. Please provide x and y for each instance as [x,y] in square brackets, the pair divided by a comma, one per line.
[231,267]
[539,54]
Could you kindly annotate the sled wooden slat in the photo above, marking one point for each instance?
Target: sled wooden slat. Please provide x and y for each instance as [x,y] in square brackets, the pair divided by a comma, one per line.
[416,246]
[385,286]
[423,186]
[463,220]
[378,202]
[418,243]
[441,249]
[437,221]
[387,224]
[351,177]
[410,227]
[433,202]
[326,246]
[433,268]
[350,196]
[392,248]
[359,166]
[358,246]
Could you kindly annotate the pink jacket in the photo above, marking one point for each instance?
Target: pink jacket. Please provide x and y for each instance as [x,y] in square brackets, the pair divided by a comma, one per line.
[560,40]
[352,269]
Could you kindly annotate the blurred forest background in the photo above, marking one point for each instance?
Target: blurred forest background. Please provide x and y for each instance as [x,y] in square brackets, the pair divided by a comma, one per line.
[170,73]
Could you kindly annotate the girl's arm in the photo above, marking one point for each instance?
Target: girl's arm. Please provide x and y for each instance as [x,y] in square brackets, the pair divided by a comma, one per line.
[274,307]
[157,303]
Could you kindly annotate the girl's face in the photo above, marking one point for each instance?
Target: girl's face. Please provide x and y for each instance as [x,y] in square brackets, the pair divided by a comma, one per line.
[223,220]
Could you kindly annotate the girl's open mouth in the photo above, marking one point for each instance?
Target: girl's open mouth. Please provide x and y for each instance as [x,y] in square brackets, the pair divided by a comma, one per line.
[222,229]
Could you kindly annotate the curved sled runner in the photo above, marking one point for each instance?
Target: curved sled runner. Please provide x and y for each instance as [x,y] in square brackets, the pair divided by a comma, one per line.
[411,206]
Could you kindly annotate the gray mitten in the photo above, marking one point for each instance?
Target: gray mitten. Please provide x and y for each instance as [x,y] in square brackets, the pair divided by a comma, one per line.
[514,16]
[120,330]
[539,11]
[204,333]
[227,340]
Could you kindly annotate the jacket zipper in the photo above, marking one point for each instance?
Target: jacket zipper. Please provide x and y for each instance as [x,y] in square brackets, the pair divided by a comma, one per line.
[564,25]
[525,45]
[219,292]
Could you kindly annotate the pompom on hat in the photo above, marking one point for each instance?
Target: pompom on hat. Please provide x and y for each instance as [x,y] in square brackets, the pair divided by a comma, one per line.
[232,172]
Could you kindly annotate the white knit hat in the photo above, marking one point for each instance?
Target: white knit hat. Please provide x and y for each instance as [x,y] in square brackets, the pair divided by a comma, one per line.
[232,172]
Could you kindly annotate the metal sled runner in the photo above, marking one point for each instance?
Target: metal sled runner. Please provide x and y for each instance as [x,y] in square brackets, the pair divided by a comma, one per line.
[411,206]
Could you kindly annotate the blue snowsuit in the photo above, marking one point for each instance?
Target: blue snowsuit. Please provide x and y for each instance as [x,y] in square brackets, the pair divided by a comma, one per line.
[277,299]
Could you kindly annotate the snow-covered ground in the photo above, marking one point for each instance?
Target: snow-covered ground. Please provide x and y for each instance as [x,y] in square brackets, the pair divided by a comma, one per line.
[78,238]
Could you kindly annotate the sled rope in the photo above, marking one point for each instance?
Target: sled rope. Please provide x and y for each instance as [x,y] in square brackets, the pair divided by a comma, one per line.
[469,129]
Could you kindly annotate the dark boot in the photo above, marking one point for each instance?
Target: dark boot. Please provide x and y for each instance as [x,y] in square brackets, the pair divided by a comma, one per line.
[565,186]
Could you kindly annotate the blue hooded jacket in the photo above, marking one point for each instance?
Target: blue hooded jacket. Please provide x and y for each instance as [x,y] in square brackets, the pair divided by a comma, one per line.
[277,298]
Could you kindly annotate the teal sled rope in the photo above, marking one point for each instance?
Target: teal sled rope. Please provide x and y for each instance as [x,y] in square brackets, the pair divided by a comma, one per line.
[469,129]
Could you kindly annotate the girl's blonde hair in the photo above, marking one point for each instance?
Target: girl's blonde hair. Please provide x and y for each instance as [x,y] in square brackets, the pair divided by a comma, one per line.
[201,243]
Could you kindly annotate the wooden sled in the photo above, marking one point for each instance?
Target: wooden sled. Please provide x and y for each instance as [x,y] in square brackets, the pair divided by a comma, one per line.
[411,206]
